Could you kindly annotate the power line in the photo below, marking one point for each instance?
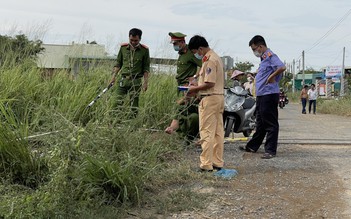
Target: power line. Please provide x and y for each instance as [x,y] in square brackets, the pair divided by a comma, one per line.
[330,30]
[337,24]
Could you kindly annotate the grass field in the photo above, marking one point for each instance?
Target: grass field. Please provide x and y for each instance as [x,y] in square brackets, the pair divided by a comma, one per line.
[62,160]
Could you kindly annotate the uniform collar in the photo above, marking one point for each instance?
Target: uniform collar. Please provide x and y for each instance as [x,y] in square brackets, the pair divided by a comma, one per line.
[207,56]
[268,53]
[137,47]
[185,50]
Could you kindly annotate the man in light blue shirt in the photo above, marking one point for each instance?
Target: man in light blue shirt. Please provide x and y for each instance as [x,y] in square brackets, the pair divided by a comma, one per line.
[267,92]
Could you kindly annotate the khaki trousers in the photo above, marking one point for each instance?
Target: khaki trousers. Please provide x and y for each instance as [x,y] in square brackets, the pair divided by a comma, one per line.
[211,131]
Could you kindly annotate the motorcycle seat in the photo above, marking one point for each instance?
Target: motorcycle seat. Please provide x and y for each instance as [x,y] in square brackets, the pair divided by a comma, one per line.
[238,90]
[249,103]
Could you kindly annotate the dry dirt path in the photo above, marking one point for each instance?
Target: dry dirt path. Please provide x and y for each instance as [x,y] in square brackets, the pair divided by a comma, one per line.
[309,178]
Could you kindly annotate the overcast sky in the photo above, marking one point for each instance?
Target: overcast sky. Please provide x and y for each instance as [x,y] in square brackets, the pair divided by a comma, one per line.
[320,27]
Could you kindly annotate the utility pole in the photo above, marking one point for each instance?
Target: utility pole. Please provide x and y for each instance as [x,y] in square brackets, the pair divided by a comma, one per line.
[342,81]
[293,72]
[303,67]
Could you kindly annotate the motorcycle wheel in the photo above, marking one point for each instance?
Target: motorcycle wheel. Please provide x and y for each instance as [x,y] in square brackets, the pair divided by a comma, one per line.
[228,127]
[281,105]
[247,133]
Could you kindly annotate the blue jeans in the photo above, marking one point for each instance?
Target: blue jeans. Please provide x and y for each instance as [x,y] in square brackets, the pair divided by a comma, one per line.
[312,102]
[303,101]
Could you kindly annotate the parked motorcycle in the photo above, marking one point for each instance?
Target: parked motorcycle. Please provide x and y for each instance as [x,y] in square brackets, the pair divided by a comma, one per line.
[239,112]
[283,100]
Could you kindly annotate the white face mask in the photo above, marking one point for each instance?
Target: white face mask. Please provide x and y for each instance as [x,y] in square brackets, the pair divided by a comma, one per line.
[176,48]
[198,56]
[257,54]
[249,79]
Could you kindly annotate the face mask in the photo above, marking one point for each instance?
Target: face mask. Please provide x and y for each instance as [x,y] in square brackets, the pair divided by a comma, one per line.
[257,54]
[249,79]
[198,56]
[176,47]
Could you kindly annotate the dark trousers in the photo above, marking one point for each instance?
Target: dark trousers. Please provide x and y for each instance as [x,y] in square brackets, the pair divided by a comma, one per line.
[312,102]
[267,124]
[303,101]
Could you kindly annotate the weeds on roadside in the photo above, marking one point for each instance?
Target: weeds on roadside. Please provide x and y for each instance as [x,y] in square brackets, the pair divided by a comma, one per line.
[87,159]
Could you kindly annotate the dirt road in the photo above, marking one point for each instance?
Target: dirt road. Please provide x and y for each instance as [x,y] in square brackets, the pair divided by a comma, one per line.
[309,178]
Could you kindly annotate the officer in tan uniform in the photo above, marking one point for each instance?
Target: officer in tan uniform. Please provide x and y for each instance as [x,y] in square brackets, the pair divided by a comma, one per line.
[211,89]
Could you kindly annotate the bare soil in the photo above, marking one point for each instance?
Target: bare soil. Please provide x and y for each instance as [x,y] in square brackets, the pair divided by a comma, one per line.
[309,178]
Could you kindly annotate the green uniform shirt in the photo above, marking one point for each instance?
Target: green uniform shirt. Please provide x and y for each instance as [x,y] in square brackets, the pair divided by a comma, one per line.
[186,66]
[133,62]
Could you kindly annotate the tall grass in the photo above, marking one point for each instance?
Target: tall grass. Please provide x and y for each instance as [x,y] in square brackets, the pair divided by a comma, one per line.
[18,163]
[88,158]
[340,106]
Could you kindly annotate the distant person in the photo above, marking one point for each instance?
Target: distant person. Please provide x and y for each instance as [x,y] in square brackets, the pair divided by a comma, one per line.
[303,98]
[267,98]
[210,87]
[249,84]
[312,98]
[237,77]
[132,69]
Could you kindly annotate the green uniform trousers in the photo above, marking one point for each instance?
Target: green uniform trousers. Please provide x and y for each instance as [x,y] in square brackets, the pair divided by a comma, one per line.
[129,87]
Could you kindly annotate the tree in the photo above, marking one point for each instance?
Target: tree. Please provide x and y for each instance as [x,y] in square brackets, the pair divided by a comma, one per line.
[244,66]
[18,49]
[309,70]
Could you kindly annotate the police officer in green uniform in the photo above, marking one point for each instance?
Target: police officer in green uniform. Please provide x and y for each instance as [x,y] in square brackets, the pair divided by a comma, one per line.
[187,119]
[132,69]
[187,64]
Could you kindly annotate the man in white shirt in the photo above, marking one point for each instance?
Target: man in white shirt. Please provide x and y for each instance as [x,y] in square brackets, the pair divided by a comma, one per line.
[312,97]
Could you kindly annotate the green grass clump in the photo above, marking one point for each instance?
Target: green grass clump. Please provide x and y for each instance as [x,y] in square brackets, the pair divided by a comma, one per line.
[18,164]
[340,106]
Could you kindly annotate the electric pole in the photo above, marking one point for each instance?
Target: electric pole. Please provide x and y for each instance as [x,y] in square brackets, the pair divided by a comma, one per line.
[303,67]
[293,72]
[342,81]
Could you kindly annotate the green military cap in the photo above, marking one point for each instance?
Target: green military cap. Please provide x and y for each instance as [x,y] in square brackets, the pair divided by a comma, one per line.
[176,36]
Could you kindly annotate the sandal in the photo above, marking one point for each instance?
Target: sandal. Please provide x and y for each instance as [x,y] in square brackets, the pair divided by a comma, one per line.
[267,156]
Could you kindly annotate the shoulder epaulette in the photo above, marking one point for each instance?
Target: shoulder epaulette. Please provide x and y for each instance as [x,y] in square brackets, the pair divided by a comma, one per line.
[205,58]
[124,44]
[145,46]
[269,54]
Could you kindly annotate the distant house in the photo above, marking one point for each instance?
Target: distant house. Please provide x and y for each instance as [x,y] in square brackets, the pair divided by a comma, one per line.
[309,79]
[228,62]
[321,78]
[72,58]
[75,58]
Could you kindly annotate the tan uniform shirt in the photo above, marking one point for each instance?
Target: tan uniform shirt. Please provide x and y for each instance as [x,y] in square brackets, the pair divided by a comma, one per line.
[212,71]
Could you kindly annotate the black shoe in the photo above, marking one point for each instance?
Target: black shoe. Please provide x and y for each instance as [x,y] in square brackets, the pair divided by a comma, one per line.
[217,168]
[200,170]
[246,149]
[267,156]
